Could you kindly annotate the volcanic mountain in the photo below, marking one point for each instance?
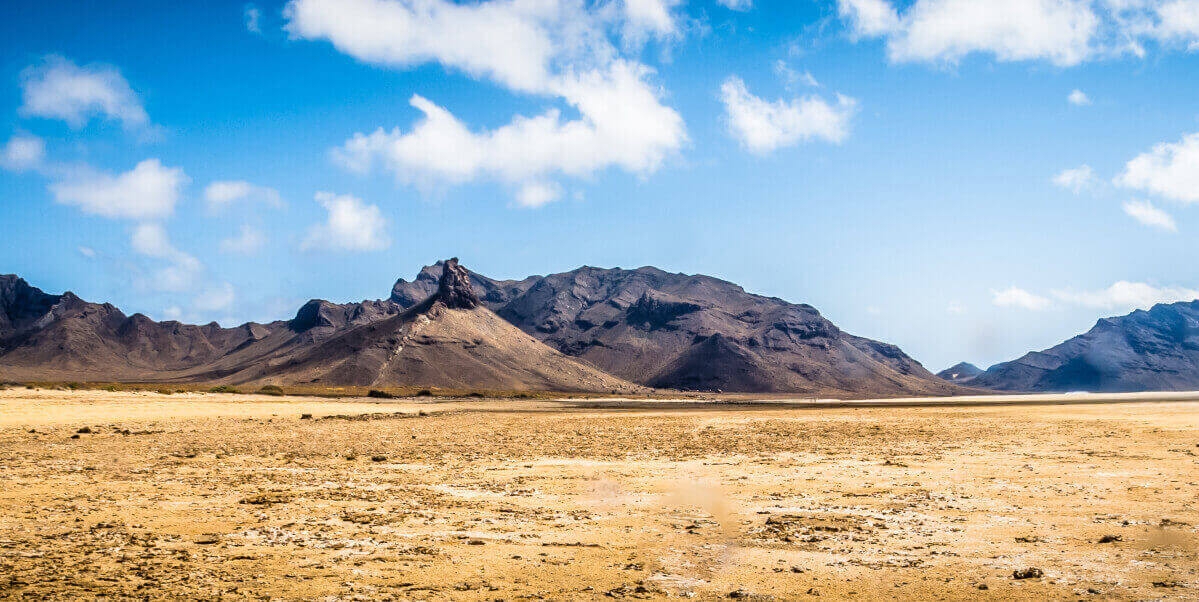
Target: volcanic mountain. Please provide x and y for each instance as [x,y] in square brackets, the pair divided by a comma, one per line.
[960,373]
[1154,350]
[589,329]
[448,340]
[679,331]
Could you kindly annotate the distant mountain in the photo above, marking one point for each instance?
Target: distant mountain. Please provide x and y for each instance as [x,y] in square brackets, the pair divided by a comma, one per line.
[1154,350]
[678,331]
[961,373]
[645,326]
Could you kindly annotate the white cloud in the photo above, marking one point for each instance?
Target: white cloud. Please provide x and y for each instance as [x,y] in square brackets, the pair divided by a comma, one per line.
[60,89]
[1078,98]
[792,77]
[736,4]
[552,50]
[622,125]
[247,242]
[1062,32]
[1127,296]
[149,191]
[869,18]
[1170,170]
[1147,214]
[1020,298]
[251,15]
[87,252]
[1077,179]
[945,31]
[537,194]
[222,193]
[763,126]
[956,308]
[181,270]
[216,298]
[645,18]
[352,225]
[23,153]
[504,40]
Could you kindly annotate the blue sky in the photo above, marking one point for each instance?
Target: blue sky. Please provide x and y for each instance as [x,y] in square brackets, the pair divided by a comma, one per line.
[967,180]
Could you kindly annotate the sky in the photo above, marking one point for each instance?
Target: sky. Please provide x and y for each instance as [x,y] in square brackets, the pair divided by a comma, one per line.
[968,180]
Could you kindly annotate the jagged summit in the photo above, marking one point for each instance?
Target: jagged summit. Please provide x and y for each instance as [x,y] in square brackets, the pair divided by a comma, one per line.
[454,288]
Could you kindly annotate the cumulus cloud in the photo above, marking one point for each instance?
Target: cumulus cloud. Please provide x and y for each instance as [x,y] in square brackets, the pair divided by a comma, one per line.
[537,194]
[219,297]
[1170,170]
[251,14]
[178,271]
[1020,298]
[551,50]
[736,4]
[649,18]
[945,31]
[622,125]
[1062,32]
[248,241]
[23,153]
[762,126]
[1078,98]
[1124,295]
[221,194]
[1147,214]
[352,225]
[149,191]
[1077,179]
[60,89]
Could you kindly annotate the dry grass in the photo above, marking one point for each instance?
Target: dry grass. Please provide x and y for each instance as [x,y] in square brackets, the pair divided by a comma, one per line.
[206,496]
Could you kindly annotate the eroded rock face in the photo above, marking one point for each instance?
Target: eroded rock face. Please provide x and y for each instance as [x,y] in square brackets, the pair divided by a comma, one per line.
[454,289]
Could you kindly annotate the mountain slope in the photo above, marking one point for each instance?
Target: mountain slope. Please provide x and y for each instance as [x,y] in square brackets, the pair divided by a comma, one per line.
[1154,350]
[960,373]
[449,340]
[695,332]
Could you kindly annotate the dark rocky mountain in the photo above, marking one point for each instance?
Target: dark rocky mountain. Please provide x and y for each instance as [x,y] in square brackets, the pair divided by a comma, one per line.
[645,326]
[448,340]
[960,373]
[1154,350]
[679,331]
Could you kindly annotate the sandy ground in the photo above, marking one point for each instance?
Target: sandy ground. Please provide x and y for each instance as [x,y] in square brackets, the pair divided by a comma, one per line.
[227,496]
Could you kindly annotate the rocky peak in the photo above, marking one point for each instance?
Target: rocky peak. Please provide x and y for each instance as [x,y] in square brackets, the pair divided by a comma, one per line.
[454,289]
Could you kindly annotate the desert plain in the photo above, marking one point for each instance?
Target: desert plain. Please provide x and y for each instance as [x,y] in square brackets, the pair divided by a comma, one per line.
[143,495]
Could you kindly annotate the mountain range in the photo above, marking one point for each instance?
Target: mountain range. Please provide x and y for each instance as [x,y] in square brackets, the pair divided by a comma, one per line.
[1146,350]
[590,329]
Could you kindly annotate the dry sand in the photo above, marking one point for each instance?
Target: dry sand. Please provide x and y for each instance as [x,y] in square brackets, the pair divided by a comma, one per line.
[228,496]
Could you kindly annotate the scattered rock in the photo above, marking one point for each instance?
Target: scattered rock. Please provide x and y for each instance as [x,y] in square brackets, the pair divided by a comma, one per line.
[1028,539]
[983,587]
[305,416]
[1028,573]
[378,458]
[87,430]
[267,498]
[207,539]
[1111,538]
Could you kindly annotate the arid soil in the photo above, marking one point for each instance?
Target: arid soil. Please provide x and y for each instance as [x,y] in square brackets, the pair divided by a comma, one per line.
[233,496]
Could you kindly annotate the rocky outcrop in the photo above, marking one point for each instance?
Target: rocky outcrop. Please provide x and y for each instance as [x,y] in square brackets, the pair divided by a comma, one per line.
[454,288]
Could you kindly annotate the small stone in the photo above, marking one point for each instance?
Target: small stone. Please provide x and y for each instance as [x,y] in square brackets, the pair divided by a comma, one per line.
[1028,573]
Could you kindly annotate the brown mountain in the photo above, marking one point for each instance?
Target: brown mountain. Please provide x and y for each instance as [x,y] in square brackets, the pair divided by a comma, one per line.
[449,340]
[692,332]
[644,326]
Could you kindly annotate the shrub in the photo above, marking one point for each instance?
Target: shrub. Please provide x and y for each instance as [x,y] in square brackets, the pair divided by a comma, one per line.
[223,389]
[72,386]
[165,392]
[380,394]
[424,393]
[271,390]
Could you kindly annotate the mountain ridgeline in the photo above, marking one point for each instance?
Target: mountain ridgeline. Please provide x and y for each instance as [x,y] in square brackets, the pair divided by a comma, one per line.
[589,329]
[1154,350]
